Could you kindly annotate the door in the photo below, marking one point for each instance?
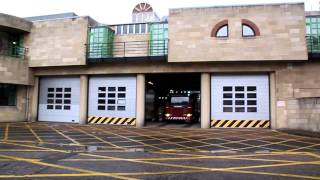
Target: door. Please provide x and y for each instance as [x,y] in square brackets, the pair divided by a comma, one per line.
[240,100]
[112,98]
[59,99]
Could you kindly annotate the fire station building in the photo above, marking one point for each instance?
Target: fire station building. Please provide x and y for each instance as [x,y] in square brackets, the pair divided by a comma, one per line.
[248,66]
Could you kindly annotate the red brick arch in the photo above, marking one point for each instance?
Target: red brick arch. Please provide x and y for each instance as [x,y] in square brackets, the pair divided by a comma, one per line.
[252,25]
[218,26]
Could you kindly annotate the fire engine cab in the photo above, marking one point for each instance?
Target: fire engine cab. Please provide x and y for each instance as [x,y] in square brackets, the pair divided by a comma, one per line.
[182,107]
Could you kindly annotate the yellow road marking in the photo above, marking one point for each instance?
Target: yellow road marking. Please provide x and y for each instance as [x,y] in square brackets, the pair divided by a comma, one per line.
[313,154]
[169,142]
[22,150]
[188,158]
[6,132]
[36,147]
[61,167]
[234,156]
[132,140]
[251,146]
[216,137]
[67,137]
[63,175]
[272,174]
[107,142]
[34,133]
[161,173]
[276,165]
[194,140]
[235,169]
[20,141]
[304,147]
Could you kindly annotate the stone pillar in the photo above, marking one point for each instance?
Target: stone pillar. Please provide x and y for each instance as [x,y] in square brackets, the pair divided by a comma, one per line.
[140,106]
[273,101]
[205,100]
[83,99]
[34,100]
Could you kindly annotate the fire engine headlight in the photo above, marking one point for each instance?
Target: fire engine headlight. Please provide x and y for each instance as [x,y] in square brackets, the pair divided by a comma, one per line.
[189,115]
[167,115]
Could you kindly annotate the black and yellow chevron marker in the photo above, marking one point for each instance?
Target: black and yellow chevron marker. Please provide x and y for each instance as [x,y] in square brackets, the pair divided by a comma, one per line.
[112,120]
[240,123]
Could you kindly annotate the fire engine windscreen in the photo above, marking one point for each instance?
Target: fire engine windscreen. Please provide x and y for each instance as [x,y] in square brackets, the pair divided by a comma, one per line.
[179,100]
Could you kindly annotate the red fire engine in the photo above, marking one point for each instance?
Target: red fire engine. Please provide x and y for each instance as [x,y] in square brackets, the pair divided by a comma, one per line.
[182,107]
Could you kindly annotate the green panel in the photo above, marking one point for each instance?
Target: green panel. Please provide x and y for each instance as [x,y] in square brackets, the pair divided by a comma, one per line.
[313,33]
[158,39]
[100,42]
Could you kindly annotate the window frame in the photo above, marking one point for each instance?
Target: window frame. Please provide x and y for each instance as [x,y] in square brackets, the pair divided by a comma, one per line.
[251,25]
[220,28]
[239,104]
[61,103]
[112,103]
[252,29]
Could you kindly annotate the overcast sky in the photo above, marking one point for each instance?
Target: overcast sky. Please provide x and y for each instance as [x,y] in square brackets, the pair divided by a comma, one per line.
[118,11]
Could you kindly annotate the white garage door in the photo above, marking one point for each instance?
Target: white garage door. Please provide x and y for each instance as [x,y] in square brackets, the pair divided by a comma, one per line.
[59,99]
[240,97]
[112,98]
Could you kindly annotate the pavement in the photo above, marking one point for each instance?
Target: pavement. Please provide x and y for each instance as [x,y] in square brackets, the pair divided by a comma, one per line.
[72,151]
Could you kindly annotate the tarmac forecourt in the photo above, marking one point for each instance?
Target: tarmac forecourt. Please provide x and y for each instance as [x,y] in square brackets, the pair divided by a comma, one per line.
[53,150]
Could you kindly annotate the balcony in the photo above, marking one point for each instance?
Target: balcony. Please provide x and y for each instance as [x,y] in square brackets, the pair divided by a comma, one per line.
[313,45]
[13,51]
[130,51]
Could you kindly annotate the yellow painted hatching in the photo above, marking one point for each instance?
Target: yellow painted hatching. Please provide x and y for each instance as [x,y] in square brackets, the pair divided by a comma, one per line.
[221,123]
[112,120]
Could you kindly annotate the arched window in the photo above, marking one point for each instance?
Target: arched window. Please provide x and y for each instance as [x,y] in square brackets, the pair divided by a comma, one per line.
[249,29]
[220,30]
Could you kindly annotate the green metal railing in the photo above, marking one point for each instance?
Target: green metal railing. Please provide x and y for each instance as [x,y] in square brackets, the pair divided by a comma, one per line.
[14,51]
[127,49]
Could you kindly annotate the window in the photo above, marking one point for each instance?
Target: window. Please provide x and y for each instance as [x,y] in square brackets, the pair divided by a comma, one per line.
[59,98]
[112,98]
[121,88]
[239,99]
[121,108]
[125,29]
[131,28]
[137,29]
[143,28]
[119,29]
[247,31]
[7,95]
[222,31]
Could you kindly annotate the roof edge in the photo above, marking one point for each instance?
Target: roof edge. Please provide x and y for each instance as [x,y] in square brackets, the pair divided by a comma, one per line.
[237,5]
